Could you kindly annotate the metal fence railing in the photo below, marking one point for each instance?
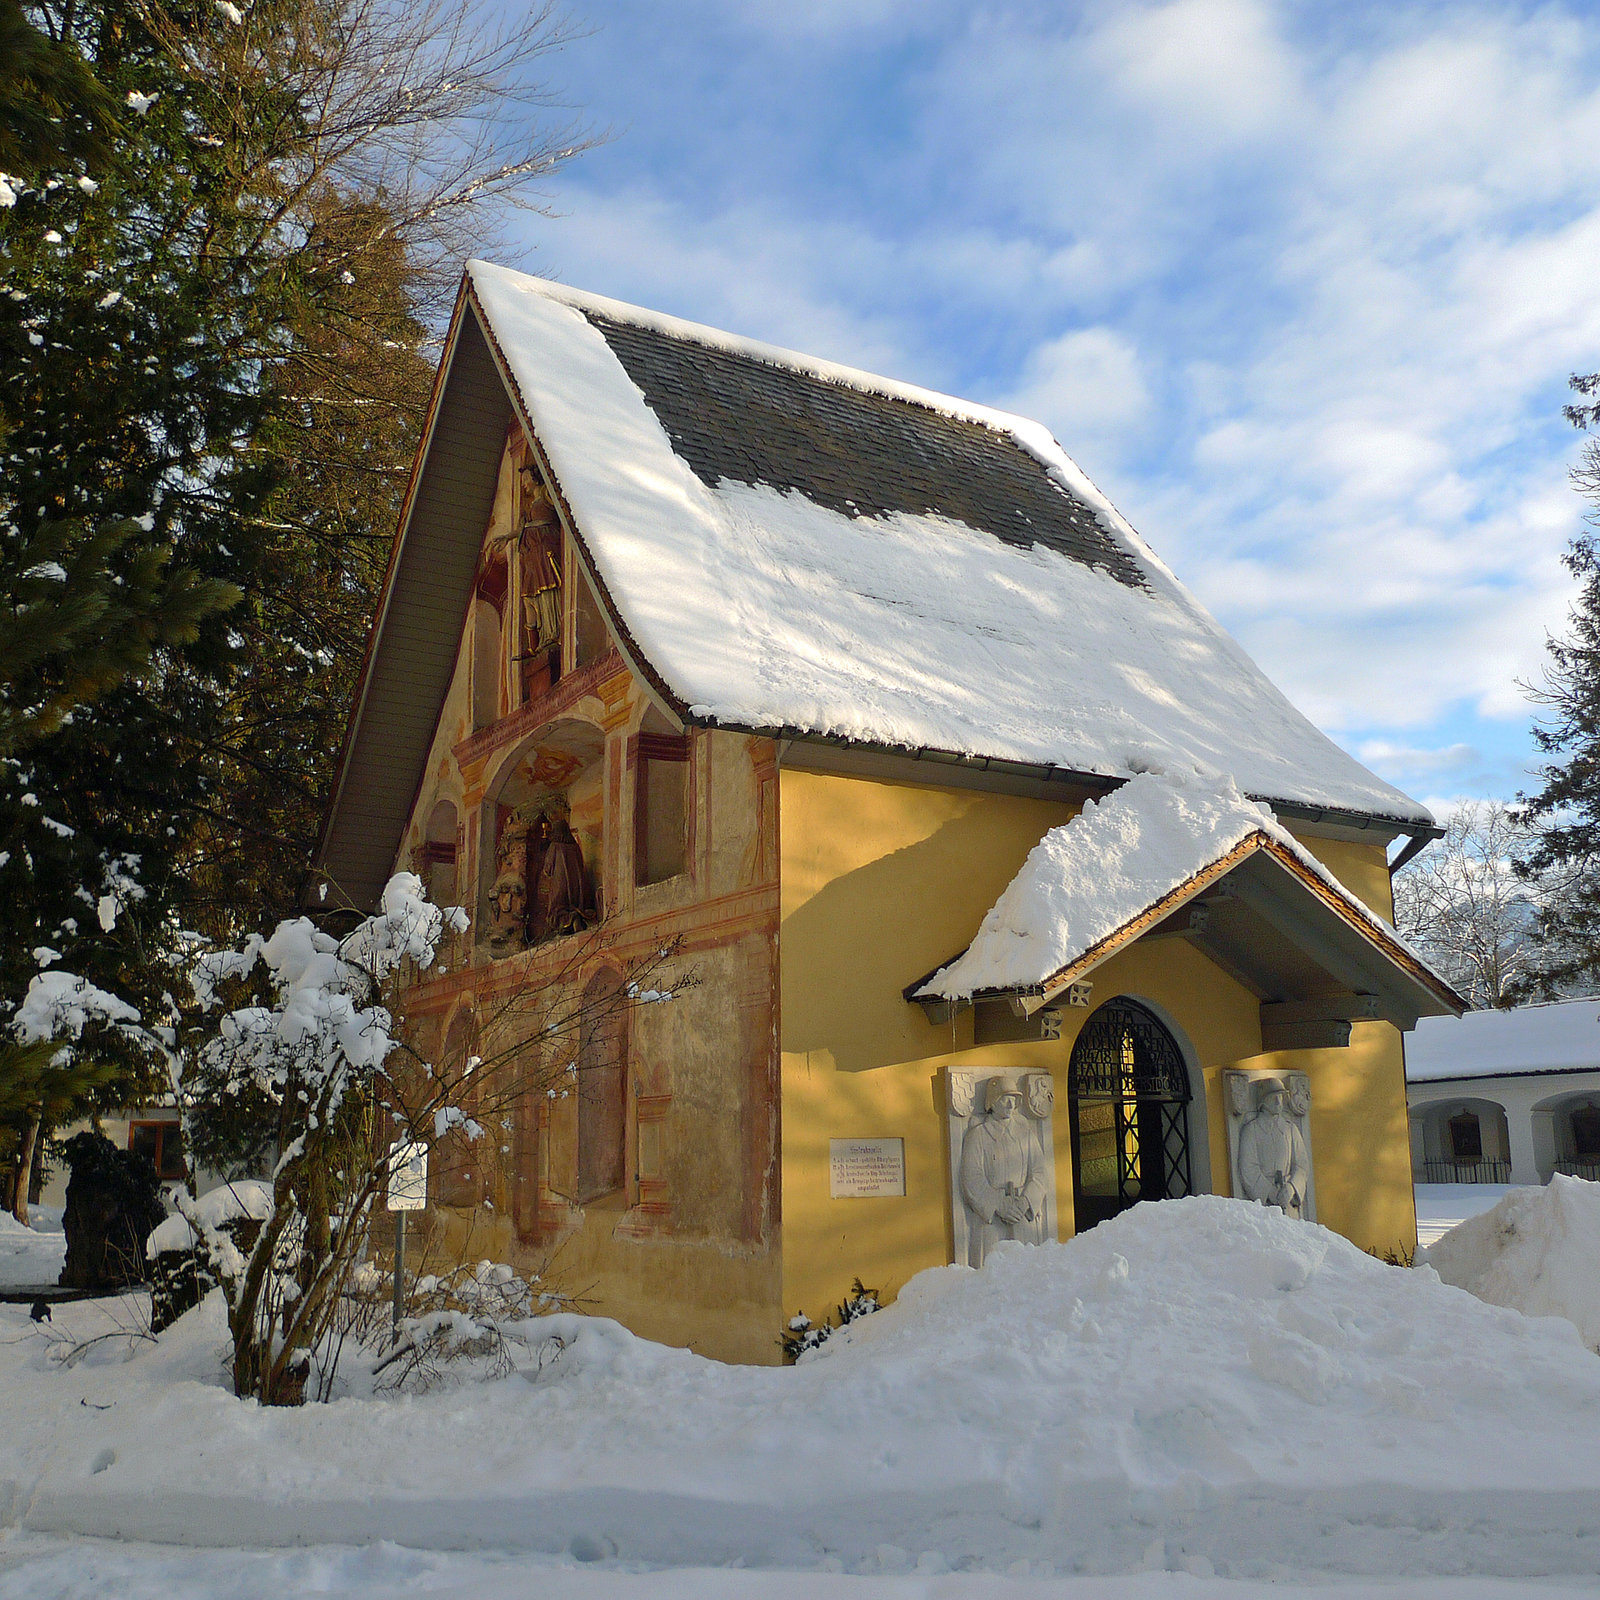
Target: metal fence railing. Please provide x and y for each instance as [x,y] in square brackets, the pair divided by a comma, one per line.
[1465,1172]
[1580,1169]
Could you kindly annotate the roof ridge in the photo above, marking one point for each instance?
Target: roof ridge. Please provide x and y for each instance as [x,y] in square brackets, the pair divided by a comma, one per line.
[775,355]
[1028,433]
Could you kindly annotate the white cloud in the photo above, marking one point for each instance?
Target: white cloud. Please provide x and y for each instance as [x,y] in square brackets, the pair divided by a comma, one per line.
[1088,386]
[1216,70]
[1447,761]
[1301,285]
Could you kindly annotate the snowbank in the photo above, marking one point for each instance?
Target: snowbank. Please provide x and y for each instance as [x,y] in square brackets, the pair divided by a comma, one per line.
[65,1569]
[1200,1383]
[1443,1206]
[30,1257]
[1537,1251]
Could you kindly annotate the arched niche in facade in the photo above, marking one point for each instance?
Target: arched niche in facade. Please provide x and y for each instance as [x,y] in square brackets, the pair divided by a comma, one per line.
[542,844]
[1574,1122]
[1461,1139]
[437,858]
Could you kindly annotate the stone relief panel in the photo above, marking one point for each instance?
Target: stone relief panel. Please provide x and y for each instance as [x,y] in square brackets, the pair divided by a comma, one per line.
[1002,1158]
[1269,1139]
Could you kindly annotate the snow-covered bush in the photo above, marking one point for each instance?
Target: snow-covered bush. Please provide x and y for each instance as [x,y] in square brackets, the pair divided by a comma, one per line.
[312,1042]
[803,1335]
[67,1040]
[306,1040]
[468,1321]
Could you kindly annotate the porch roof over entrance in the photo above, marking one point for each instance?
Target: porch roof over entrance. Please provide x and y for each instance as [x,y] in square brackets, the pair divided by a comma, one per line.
[1190,856]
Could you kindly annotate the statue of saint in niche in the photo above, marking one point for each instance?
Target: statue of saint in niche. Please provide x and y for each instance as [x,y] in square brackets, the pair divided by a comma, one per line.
[508,913]
[1002,1176]
[1274,1163]
[563,896]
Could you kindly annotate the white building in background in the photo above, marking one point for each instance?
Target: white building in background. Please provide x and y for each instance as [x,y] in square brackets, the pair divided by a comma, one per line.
[1506,1096]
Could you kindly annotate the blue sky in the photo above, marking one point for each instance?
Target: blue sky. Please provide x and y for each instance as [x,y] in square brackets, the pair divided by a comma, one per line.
[1299,286]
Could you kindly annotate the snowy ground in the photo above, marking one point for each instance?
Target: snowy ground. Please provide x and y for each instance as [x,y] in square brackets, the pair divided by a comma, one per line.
[31,1255]
[53,1569]
[1199,1400]
[1440,1206]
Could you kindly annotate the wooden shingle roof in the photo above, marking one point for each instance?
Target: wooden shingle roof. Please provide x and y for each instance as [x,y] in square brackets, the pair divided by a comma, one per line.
[737,419]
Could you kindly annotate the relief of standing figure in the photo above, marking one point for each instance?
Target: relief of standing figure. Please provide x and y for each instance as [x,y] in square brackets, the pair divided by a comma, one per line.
[1002,1176]
[1274,1164]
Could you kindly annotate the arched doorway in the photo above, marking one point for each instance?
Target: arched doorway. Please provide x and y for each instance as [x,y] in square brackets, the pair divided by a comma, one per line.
[1128,1101]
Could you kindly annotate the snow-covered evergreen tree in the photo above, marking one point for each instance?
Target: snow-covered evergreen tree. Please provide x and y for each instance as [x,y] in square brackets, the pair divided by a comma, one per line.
[1565,812]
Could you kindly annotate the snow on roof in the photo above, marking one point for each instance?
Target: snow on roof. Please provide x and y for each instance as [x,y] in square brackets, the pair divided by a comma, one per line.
[1563,1036]
[797,546]
[1088,879]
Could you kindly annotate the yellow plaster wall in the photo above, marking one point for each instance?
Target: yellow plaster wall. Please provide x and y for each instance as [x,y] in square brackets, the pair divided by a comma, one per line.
[1360,1135]
[1362,868]
[879,884]
[882,882]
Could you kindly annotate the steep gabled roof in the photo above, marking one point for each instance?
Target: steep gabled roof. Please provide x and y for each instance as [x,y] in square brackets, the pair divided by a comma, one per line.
[793,547]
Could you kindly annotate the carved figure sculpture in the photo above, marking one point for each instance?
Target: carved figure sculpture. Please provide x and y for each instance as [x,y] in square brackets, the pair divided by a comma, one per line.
[541,592]
[1041,1095]
[563,900]
[1002,1179]
[1274,1164]
[508,913]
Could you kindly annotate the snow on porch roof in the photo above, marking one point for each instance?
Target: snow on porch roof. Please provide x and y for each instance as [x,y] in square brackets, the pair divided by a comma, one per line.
[800,548]
[1093,882]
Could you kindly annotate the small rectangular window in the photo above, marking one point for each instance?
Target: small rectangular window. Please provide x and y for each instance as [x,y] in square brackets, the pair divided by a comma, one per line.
[661,807]
[161,1143]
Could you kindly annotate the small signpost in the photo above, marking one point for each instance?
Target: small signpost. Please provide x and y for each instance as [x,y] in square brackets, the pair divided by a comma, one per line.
[408,1191]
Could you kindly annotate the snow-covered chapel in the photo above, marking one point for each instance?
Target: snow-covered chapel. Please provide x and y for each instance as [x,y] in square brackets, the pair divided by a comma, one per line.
[1016,893]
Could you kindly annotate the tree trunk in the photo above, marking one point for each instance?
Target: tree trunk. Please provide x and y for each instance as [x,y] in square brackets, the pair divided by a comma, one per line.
[36,1177]
[30,1142]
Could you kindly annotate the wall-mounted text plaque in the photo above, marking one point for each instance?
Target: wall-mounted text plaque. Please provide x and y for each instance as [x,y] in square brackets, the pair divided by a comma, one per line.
[866,1167]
